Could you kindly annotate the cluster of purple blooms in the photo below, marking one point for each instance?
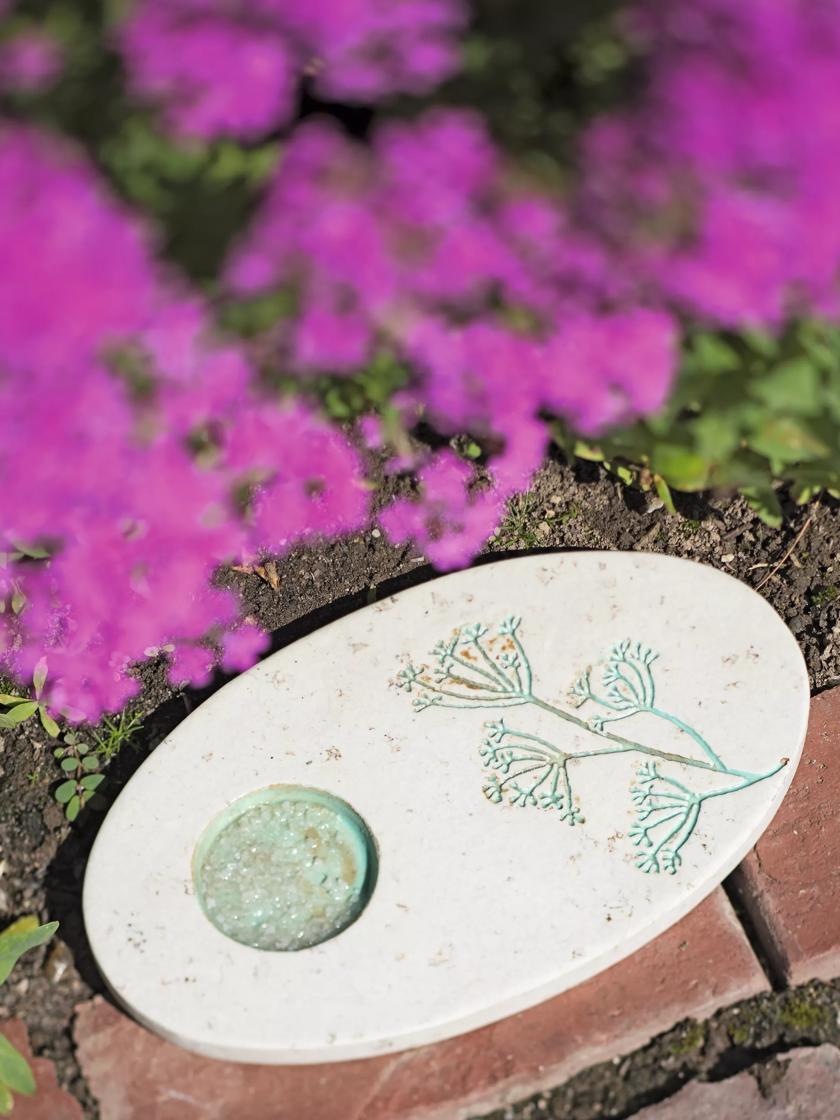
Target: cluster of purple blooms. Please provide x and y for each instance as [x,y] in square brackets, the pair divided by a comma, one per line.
[235,67]
[30,59]
[129,439]
[423,241]
[721,188]
[136,447]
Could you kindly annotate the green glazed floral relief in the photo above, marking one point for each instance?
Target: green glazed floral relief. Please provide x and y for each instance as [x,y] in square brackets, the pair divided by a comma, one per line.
[477,668]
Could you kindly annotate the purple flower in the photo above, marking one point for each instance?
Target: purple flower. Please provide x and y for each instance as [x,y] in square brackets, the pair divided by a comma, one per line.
[720,189]
[601,370]
[373,258]
[241,648]
[192,665]
[215,74]
[29,62]
[231,67]
[130,436]
[449,522]
[89,282]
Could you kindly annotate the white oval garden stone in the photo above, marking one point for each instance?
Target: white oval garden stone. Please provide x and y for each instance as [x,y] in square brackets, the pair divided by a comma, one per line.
[557,757]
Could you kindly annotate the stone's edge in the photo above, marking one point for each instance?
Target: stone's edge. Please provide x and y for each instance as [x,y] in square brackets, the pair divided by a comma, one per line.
[430,1036]
[362,1051]
[381,1089]
[522,1001]
[454,1079]
[752,984]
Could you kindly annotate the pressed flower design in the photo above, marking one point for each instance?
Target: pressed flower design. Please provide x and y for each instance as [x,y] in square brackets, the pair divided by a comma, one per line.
[479,668]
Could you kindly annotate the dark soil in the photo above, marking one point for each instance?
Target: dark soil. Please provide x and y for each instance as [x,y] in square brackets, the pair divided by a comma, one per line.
[42,857]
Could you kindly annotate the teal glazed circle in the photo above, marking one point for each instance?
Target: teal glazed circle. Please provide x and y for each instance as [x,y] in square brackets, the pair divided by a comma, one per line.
[284,868]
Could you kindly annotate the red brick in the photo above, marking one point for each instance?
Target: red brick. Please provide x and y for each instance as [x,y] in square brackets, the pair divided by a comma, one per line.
[702,963]
[49,1102]
[790,881]
[804,1085]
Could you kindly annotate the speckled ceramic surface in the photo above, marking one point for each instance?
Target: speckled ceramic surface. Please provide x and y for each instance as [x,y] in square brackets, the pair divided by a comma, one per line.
[557,757]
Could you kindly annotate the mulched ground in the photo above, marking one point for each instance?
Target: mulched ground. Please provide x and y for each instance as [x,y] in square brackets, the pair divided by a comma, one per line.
[42,858]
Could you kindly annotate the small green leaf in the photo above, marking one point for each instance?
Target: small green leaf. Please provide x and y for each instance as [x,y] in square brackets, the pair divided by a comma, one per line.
[91,781]
[73,807]
[10,698]
[25,924]
[802,493]
[589,452]
[716,434]
[19,938]
[20,712]
[14,1069]
[59,752]
[48,723]
[32,551]
[713,355]
[6,1102]
[762,342]
[681,468]
[793,386]
[786,440]
[69,764]
[18,601]
[39,677]
[90,762]
[664,492]
[763,500]
[625,474]
[83,748]
[65,791]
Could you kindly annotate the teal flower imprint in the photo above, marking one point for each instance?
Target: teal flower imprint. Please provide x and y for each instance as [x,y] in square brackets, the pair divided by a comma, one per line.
[477,668]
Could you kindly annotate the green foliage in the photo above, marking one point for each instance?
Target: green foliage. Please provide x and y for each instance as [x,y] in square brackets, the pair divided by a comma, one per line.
[748,412]
[252,317]
[18,938]
[346,398]
[21,708]
[518,530]
[15,600]
[536,71]
[114,732]
[15,940]
[200,194]
[80,766]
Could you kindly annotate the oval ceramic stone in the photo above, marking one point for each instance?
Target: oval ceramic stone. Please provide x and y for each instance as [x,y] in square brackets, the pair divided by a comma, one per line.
[557,757]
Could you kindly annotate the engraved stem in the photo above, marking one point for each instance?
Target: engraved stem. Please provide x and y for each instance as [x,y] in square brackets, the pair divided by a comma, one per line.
[526,664]
[510,699]
[501,677]
[473,668]
[695,735]
[691,821]
[624,745]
